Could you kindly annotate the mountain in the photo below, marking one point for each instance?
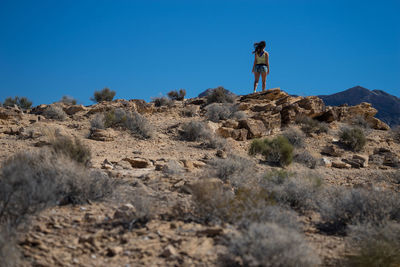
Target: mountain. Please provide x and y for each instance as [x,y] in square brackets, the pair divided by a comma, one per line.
[388,105]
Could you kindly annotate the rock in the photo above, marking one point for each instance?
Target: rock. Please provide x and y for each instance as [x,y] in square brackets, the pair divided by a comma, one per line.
[313,104]
[102,134]
[39,110]
[213,126]
[255,128]
[138,162]
[341,165]
[197,101]
[198,164]
[328,116]
[169,251]
[237,134]
[125,212]
[244,106]
[262,108]
[14,130]
[363,159]
[332,151]
[114,251]
[270,94]
[210,232]
[271,121]
[230,124]
[107,165]
[390,159]
[377,124]
[326,162]
[353,163]
[221,154]
[188,164]
[71,110]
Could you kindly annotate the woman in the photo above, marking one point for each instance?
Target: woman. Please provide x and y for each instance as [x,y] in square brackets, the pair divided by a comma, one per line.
[261,64]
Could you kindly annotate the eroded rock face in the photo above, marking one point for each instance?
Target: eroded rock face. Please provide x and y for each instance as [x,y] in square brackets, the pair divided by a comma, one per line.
[255,128]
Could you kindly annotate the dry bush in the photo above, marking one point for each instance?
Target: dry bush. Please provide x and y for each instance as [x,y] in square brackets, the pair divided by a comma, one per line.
[340,207]
[195,131]
[220,95]
[217,203]
[190,111]
[21,102]
[304,157]
[217,111]
[215,142]
[374,245]
[72,148]
[353,138]
[68,100]
[396,133]
[98,121]
[9,254]
[172,168]
[309,125]
[295,137]
[162,101]
[235,169]
[177,95]
[139,125]
[293,191]
[277,150]
[55,112]
[268,244]
[103,95]
[30,182]
[360,122]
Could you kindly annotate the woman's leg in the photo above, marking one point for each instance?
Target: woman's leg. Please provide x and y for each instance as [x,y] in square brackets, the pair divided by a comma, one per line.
[256,78]
[264,77]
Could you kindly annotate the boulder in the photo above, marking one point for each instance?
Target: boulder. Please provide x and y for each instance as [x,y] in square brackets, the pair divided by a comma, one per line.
[102,134]
[313,104]
[270,94]
[363,159]
[71,110]
[125,212]
[271,121]
[332,151]
[341,165]
[354,163]
[138,162]
[255,128]
[328,116]
[231,124]
[237,134]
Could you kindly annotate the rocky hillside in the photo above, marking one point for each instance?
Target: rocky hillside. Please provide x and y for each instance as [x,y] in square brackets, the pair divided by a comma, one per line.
[388,106]
[190,183]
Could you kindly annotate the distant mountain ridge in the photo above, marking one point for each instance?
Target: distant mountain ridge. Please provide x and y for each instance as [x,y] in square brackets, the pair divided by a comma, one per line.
[388,105]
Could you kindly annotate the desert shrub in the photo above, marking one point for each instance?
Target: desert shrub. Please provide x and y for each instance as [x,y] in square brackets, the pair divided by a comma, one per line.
[132,121]
[195,131]
[9,253]
[235,169]
[309,125]
[268,244]
[215,142]
[374,246]
[220,95]
[295,137]
[293,191]
[217,203]
[103,95]
[178,96]
[21,102]
[359,121]
[304,157]
[223,111]
[353,138]
[172,168]
[162,101]
[68,100]
[139,125]
[30,182]
[55,112]
[277,150]
[340,207]
[190,111]
[396,133]
[72,148]
[98,121]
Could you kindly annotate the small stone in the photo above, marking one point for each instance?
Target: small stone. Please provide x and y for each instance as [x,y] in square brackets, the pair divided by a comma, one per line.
[125,212]
[169,251]
[341,165]
[138,162]
[332,151]
[326,162]
[111,252]
[221,154]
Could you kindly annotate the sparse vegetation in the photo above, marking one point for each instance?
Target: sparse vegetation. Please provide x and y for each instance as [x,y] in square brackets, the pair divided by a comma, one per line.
[223,111]
[162,101]
[220,95]
[72,148]
[277,150]
[195,131]
[340,207]
[309,125]
[304,157]
[31,182]
[295,137]
[68,100]
[177,95]
[172,168]
[103,95]
[353,138]
[374,245]
[234,169]
[359,121]
[21,102]
[98,121]
[9,253]
[55,112]
[268,244]
[190,111]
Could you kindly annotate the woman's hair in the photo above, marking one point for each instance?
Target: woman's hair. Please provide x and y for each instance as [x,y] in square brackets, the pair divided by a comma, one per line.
[258,47]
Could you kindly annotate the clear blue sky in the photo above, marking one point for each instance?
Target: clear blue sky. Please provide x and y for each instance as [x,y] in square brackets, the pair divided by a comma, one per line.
[141,49]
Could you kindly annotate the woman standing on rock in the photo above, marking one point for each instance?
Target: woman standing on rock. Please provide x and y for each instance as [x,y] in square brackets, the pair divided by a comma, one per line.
[261,64]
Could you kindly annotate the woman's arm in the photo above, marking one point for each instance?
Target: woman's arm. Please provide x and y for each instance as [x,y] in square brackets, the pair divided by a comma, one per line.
[254,64]
[267,60]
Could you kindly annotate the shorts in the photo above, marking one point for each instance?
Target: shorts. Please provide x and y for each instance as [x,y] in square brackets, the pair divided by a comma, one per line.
[260,68]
